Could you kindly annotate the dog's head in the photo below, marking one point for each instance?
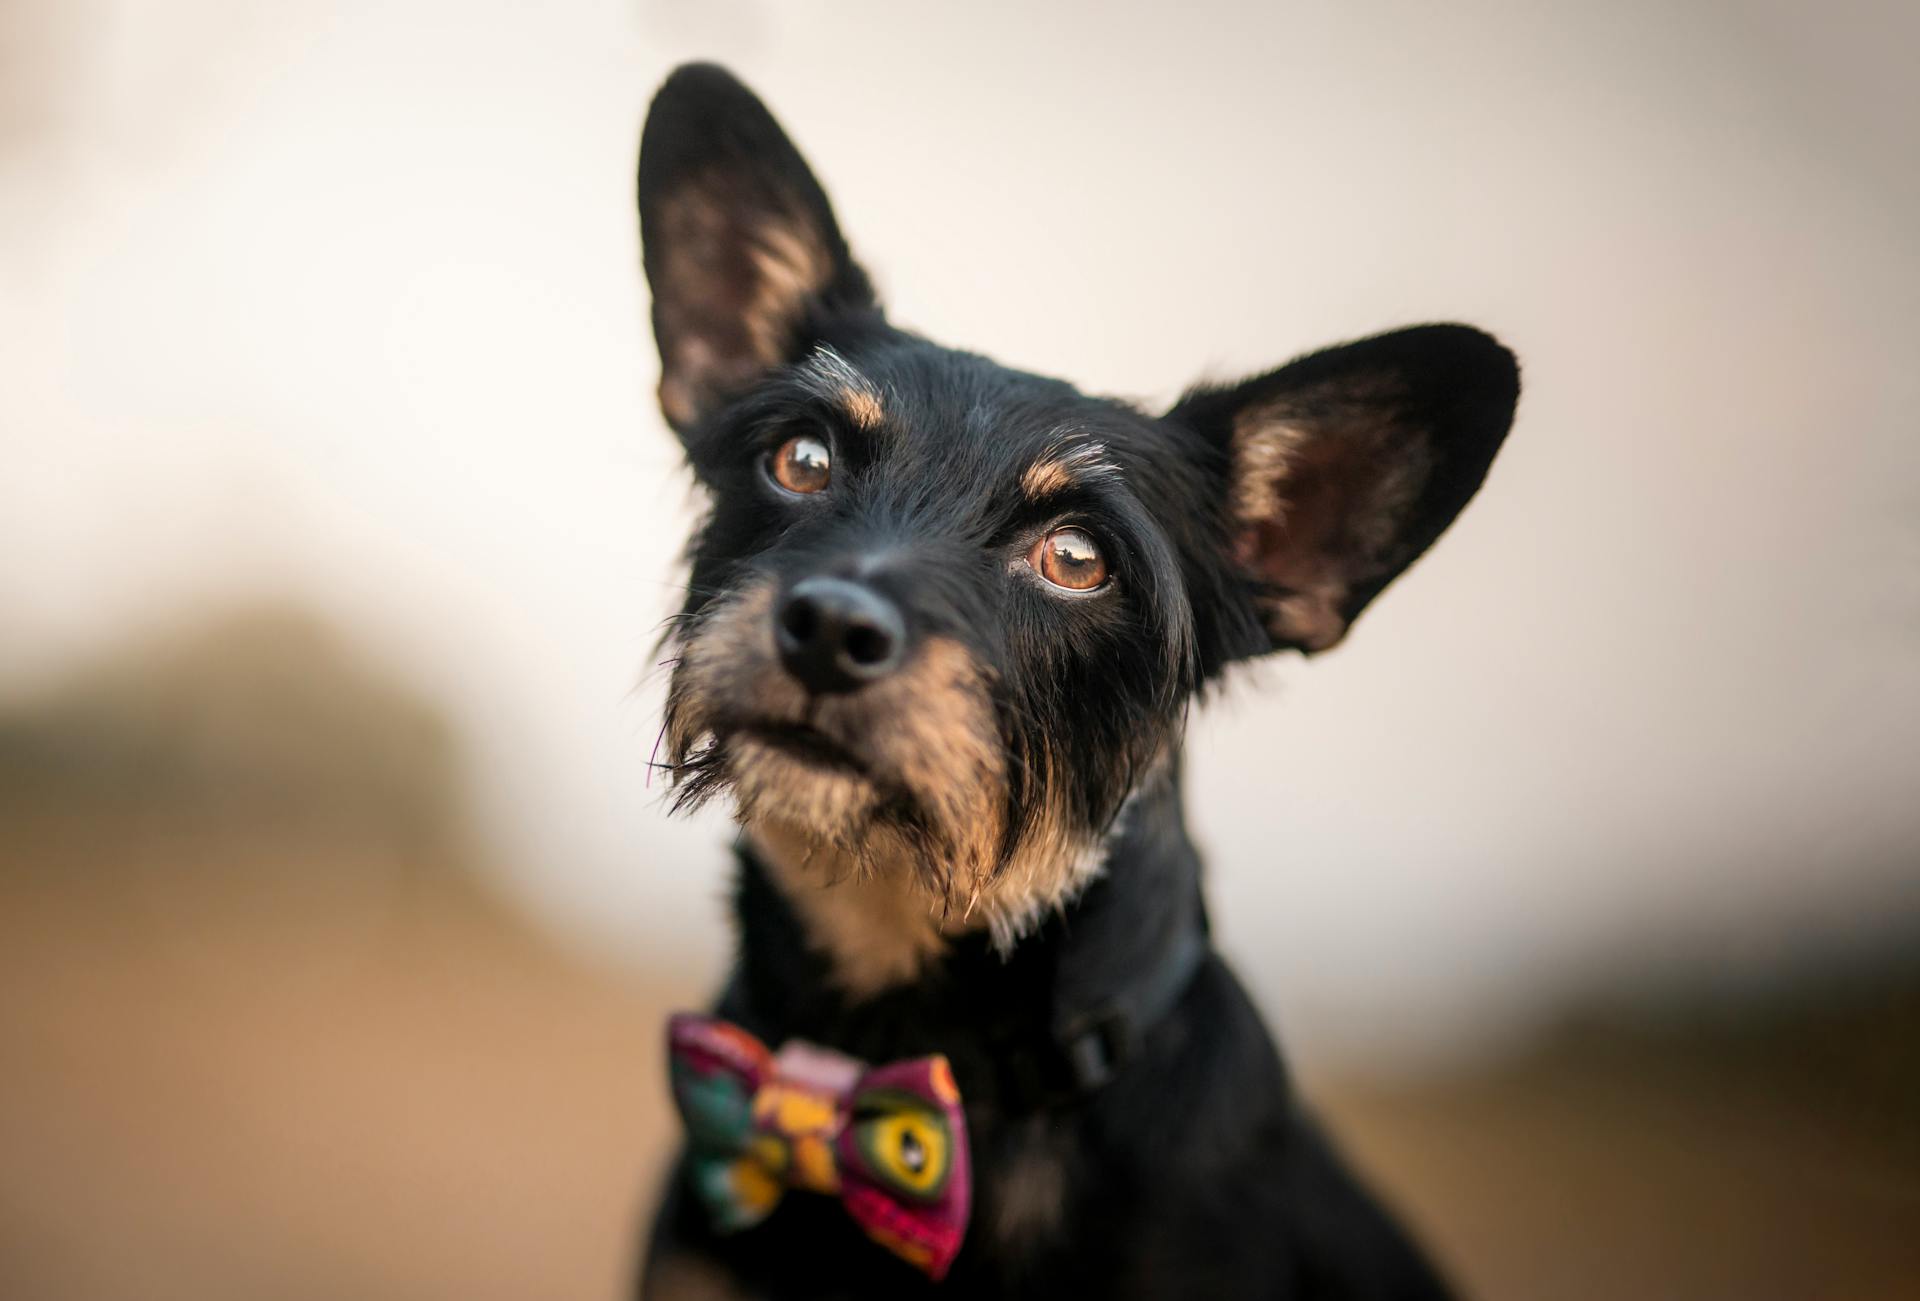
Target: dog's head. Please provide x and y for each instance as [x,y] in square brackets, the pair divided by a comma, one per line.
[944,617]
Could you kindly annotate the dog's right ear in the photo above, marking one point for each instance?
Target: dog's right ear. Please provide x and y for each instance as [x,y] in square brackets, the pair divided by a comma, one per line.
[1344,466]
[741,248]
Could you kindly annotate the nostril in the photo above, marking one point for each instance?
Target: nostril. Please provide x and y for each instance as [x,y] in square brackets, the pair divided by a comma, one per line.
[835,635]
[800,620]
[867,645]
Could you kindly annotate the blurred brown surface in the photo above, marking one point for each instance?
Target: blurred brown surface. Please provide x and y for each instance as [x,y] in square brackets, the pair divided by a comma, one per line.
[1617,1163]
[262,1035]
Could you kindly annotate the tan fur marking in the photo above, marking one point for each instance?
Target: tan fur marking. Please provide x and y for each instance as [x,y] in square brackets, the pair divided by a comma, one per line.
[728,291]
[1263,449]
[677,401]
[876,900]
[1044,478]
[717,659]
[1310,619]
[1045,868]
[947,749]
[770,783]
[791,265]
[1028,1195]
[863,408]
[1321,505]
[832,378]
[1071,459]
[870,919]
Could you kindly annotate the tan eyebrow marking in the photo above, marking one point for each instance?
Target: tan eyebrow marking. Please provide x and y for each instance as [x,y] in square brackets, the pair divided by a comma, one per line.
[832,378]
[1044,478]
[863,408]
[1065,465]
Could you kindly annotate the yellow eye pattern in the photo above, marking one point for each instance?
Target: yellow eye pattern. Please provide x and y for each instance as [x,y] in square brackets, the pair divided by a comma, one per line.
[908,1149]
[1069,558]
[802,465]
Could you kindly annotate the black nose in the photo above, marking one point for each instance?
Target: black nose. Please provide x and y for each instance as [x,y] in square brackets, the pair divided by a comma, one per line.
[838,636]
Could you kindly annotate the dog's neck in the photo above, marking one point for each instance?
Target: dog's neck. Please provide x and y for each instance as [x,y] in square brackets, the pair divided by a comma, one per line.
[1116,945]
[872,920]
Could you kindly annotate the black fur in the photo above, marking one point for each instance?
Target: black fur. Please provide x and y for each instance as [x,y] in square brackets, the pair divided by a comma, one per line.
[1193,1172]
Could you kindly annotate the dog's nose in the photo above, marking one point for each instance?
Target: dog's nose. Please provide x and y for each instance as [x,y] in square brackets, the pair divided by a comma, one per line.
[836,635]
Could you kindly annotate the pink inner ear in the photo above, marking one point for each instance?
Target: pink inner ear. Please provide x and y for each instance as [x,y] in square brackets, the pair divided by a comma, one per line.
[1315,493]
[732,269]
[1308,549]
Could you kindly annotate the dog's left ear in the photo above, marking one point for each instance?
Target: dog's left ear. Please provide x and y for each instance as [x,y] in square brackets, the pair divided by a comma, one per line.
[1342,467]
[741,248]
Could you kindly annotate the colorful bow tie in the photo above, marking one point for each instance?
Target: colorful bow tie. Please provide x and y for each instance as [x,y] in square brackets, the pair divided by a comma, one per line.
[890,1140]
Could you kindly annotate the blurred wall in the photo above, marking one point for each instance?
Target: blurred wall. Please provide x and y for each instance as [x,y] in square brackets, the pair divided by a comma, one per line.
[340,303]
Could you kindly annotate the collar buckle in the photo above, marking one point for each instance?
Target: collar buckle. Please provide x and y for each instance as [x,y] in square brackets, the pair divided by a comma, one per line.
[1097,1048]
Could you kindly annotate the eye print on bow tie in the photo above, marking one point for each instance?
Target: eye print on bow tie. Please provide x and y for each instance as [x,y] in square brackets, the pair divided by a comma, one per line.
[889,1140]
[906,1146]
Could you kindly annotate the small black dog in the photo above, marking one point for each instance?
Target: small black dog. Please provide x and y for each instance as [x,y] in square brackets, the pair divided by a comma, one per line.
[943,626]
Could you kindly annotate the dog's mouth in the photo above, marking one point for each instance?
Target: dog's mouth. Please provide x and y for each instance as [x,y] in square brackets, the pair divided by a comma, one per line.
[808,745]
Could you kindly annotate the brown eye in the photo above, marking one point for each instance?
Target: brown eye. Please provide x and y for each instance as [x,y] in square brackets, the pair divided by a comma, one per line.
[1069,558]
[801,465]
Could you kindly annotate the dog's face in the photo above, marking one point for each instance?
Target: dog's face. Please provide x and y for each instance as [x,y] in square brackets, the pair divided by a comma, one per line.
[944,617]
[932,619]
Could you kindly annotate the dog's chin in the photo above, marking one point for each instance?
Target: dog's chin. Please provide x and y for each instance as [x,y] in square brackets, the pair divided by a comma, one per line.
[801,779]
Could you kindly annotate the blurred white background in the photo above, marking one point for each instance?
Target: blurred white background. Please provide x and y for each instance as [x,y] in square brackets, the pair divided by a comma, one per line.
[339,304]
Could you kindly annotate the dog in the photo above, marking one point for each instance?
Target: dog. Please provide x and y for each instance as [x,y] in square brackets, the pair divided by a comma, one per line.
[943,624]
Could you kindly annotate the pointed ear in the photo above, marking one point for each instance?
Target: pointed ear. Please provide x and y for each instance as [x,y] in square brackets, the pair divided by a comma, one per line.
[1342,467]
[741,248]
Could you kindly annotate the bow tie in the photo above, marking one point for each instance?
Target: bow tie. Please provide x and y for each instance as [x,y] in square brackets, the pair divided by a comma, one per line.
[890,1141]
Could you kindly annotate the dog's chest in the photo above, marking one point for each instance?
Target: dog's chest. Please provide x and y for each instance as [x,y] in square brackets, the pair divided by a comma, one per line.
[1024,1192]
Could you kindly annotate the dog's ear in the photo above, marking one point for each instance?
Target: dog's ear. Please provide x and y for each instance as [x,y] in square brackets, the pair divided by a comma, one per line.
[1340,468]
[741,248]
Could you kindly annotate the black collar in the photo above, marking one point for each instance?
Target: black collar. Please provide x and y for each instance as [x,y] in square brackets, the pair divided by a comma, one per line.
[1094,1034]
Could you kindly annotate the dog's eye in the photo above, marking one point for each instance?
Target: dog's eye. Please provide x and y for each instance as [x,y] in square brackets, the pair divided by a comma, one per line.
[1069,558]
[801,465]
